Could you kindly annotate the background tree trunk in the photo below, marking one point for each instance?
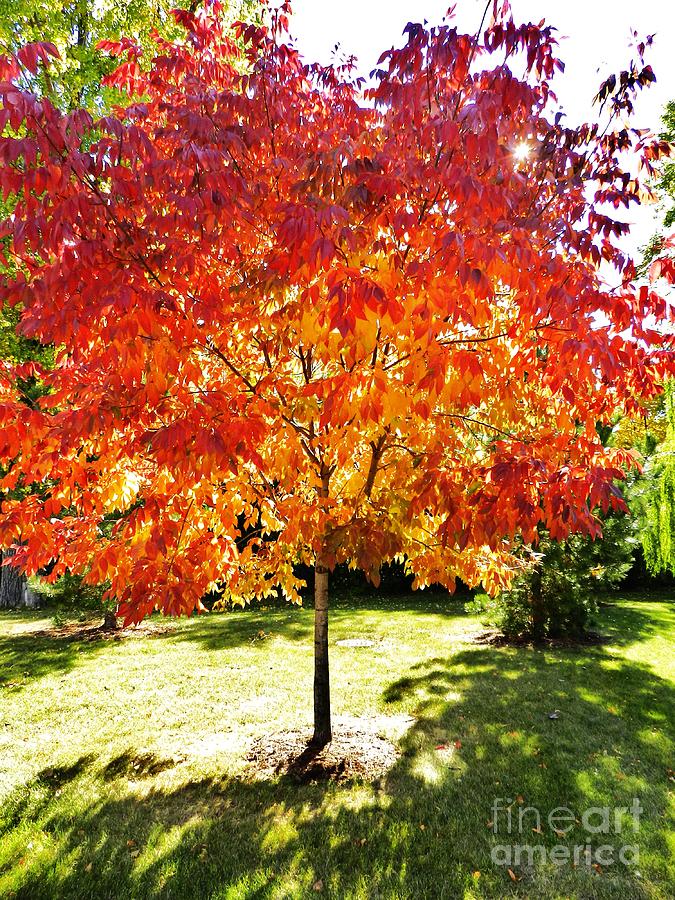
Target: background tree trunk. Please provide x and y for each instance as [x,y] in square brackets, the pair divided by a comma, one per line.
[110,622]
[14,590]
[322,727]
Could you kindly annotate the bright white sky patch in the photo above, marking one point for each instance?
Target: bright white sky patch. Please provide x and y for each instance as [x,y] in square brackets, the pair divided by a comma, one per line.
[594,40]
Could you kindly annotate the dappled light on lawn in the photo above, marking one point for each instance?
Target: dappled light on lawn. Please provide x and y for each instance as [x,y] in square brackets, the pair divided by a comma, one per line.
[138,783]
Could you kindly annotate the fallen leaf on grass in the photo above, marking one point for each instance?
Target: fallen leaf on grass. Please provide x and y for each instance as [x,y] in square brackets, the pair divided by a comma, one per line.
[512,875]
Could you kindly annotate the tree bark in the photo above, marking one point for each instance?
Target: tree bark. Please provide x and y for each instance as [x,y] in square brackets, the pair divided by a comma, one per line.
[110,622]
[14,590]
[322,723]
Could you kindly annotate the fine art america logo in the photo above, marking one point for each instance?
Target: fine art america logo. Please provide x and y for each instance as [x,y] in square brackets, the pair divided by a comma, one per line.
[509,817]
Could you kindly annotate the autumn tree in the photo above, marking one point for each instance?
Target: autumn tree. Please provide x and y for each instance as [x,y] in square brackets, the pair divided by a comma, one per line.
[373,328]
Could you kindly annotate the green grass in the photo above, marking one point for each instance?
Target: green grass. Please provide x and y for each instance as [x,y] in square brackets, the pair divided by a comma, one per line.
[122,774]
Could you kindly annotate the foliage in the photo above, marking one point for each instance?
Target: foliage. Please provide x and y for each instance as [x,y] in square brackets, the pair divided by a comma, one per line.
[375,330]
[75,27]
[564,580]
[71,594]
[75,80]
[666,184]
[643,433]
[653,497]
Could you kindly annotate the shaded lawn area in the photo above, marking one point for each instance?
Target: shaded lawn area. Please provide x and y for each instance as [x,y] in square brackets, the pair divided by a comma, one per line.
[122,769]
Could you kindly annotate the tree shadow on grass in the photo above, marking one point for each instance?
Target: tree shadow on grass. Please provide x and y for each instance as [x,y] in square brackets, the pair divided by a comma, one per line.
[235,628]
[33,655]
[227,630]
[627,623]
[482,732]
[136,765]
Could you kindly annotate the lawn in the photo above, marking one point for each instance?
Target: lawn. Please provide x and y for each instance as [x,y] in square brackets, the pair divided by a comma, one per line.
[123,772]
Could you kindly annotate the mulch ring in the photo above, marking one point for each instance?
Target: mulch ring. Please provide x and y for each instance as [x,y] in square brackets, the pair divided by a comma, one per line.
[86,631]
[497,639]
[354,753]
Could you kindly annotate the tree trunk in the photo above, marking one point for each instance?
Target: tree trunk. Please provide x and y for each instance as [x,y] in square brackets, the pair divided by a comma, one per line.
[110,622]
[322,727]
[14,590]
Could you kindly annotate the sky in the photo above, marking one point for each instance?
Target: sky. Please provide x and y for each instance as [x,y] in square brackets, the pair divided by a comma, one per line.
[594,38]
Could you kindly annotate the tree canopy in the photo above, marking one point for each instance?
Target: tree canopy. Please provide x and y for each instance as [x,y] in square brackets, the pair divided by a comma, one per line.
[371,330]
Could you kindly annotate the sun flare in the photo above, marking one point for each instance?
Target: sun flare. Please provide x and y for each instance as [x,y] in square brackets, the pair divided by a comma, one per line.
[522,151]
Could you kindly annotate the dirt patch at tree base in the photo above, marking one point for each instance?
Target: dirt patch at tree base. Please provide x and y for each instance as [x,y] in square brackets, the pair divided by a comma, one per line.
[497,639]
[354,753]
[86,631]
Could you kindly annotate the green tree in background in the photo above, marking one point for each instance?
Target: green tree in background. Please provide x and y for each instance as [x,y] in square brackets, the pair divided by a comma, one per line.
[558,592]
[667,183]
[653,496]
[77,26]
